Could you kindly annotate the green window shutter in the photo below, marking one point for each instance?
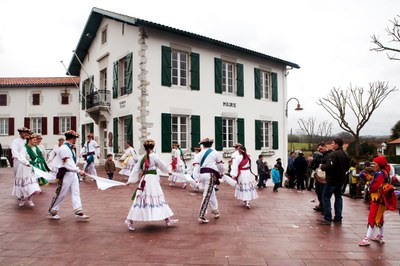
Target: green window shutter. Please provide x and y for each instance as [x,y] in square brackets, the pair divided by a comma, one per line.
[258,132]
[239,80]
[115,80]
[166,66]
[91,128]
[83,135]
[166,145]
[83,95]
[257,83]
[218,133]
[274,78]
[195,130]
[195,71]
[91,88]
[129,134]
[129,73]
[218,75]
[240,131]
[275,137]
[115,134]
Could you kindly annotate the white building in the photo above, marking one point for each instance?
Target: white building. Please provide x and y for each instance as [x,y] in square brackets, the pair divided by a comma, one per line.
[140,80]
[48,106]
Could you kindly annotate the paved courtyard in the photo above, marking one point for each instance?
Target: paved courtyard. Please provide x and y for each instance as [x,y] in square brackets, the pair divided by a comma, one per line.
[279,229]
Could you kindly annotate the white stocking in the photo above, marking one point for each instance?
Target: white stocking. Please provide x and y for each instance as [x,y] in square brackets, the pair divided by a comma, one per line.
[370,231]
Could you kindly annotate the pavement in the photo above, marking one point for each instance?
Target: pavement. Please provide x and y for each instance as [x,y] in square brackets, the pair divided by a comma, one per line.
[279,229]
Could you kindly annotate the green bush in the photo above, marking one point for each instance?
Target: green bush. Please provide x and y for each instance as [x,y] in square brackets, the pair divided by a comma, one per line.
[393,158]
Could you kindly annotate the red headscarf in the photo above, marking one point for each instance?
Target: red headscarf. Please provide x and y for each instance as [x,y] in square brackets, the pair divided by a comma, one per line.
[383,163]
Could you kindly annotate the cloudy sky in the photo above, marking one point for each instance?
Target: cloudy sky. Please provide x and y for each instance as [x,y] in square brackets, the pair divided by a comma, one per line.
[330,40]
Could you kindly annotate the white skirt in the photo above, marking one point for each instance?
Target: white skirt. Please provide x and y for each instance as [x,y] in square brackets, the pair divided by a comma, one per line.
[246,186]
[150,204]
[26,183]
[127,169]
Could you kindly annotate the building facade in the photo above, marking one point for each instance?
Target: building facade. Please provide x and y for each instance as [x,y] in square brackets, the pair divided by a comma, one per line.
[48,106]
[142,80]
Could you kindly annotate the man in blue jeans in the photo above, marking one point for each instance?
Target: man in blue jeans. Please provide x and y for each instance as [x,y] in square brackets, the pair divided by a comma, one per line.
[336,166]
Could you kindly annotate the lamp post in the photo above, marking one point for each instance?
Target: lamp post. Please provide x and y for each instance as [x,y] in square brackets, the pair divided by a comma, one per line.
[298,108]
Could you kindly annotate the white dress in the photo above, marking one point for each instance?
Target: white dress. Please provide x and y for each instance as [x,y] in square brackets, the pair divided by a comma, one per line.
[149,204]
[130,159]
[26,183]
[246,185]
[178,175]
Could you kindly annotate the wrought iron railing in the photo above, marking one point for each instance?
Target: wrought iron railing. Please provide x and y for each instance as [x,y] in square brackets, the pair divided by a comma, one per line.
[100,98]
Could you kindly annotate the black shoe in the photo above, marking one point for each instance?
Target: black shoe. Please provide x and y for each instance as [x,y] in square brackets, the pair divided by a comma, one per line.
[323,222]
[337,221]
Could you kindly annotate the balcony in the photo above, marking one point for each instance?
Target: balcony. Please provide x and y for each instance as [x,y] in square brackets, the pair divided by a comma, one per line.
[98,105]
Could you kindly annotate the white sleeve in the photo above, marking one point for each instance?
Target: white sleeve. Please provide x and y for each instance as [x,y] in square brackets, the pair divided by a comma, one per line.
[67,160]
[134,175]
[14,149]
[83,149]
[97,148]
[124,156]
[220,163]
[23,157]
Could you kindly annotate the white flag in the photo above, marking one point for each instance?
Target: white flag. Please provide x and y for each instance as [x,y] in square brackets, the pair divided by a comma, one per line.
[48,176]
[104,183]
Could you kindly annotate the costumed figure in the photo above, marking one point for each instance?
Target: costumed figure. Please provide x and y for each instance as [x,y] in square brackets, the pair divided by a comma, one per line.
[178,166]
[89,150]
[129,159]
[68,178]
[382,198]
[149,203]
[17,145]
[211,170]
[245,189]
[26,183]
[53,153]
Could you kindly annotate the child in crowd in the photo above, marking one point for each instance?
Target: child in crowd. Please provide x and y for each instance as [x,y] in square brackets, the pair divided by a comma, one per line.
[109,165]
[276,177]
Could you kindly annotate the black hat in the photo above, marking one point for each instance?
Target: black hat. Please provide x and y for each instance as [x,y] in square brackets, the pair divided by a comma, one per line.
[278,159]
[206,140]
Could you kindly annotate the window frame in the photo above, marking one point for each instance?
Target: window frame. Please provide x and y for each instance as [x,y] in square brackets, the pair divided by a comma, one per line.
[266,85]
[267,134]
[228,136]
[36,124]
[104,35]
[228,88]
[64,123]
[3,99]
[4,126]
[122,76]
[103,79]
[177,134]
[178,79]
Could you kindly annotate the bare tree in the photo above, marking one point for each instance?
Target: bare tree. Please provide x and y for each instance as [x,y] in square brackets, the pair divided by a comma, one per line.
[310,134]
[338,100]
[394,33]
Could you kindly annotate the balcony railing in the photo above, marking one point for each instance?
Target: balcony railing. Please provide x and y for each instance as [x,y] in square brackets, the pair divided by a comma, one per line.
[100,98]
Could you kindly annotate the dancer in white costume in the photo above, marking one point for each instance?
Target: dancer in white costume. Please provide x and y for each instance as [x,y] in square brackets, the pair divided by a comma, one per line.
[245,189]
[53,153]
[89,150]
[18,144]
[67,176]
[177,166]
[149,203]
[211,169]
[129,159]
[26,183]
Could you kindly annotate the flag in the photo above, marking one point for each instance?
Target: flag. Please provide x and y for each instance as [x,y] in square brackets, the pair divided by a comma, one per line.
[104,183]
[40,173]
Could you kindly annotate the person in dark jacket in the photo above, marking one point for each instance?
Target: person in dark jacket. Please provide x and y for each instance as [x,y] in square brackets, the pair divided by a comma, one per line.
[281,170]
[262,174]
[300,166]
[338,163]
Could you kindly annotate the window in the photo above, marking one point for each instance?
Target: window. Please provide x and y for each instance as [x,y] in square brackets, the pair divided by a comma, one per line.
[179,68]
[228,132]
[122,76]
[64,98]
[36,99]
[266,134]
[265,84]
[64,124]
[103,79]
[36,125]
[104,35]
[228,70]
[4,126]
[3,99]
[180,130]
[122,132]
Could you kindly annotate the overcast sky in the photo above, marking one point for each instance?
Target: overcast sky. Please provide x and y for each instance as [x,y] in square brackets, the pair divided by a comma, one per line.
[330,41]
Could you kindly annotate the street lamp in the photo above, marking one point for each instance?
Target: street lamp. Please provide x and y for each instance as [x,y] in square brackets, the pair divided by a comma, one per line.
[298,108]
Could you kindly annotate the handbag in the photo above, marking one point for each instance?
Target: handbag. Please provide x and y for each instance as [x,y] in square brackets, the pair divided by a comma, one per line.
[320,176]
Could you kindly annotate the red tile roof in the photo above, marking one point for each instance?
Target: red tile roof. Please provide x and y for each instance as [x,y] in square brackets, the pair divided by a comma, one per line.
[38,82]
[396,141]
